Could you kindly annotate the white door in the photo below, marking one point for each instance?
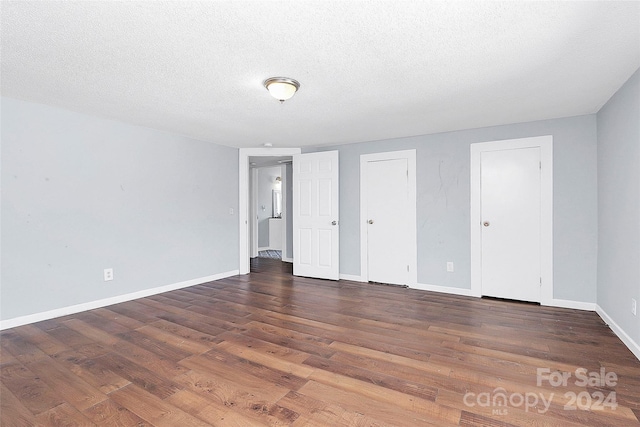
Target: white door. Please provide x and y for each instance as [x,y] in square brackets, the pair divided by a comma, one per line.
[511,223]
[387,221]
[316,235]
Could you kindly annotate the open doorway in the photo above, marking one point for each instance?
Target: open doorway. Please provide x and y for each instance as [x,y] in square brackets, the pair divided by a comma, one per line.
[270,207]
[246,213]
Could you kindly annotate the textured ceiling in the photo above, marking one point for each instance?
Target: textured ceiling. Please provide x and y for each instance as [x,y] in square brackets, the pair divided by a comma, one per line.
[368,69]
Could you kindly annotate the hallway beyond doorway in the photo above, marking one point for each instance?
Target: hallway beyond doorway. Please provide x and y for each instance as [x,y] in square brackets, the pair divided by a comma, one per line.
[270,253]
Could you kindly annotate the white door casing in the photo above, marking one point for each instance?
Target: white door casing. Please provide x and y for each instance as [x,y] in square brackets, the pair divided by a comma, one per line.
[388,240]
[253,212]
[316,230]
[510,205]
[285,214]
[506,253]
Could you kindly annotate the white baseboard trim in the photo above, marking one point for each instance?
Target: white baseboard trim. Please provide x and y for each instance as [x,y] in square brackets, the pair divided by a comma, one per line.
[444,289]
[352,278]
[577,305]
[290,260]
[64,311]
[626,339]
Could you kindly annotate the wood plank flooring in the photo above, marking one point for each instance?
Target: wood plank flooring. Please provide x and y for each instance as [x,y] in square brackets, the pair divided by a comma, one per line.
[268,349]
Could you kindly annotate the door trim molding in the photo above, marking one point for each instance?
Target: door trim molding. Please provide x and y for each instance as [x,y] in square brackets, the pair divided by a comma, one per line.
[253,213]
[243,198]
[545,143]
[410,156]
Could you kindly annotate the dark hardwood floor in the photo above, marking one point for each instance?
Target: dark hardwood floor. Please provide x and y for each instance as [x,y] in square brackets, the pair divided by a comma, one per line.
[271,349]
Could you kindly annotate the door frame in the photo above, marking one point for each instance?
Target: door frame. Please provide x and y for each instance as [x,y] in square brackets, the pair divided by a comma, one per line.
[412,238]
[545,143]
[244,246]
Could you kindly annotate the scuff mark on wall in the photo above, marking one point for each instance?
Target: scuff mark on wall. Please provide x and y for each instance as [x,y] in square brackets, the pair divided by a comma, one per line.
[442,188]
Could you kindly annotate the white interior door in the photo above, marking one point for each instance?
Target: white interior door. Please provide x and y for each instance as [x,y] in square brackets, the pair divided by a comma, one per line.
[388,246]
[316,232]
[511,223]
[387,223]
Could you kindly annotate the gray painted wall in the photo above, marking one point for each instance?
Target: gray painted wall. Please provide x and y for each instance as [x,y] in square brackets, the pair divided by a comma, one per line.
[443,200]
[266,178]
[80,194]
[619,206]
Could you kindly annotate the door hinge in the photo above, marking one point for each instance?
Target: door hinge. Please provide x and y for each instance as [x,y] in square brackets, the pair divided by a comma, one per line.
[407,268]
[540,164]
[541,281]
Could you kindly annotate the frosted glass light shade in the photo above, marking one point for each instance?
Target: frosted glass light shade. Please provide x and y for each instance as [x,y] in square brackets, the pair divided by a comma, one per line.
[281,88]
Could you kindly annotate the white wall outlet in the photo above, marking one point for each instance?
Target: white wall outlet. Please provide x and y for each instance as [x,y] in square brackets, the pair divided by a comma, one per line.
[230,211]
[633,306]
[450,266]
[108,274]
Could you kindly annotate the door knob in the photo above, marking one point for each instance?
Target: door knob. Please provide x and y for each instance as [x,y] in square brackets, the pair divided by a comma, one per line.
[334,222]
[370,221]
[486,223]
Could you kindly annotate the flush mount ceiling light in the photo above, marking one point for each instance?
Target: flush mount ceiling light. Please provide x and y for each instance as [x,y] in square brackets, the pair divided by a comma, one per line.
[281,88]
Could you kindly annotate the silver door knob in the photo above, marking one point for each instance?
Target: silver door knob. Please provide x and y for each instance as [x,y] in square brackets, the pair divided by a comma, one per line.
[334,222]
[486,223]
[370,221]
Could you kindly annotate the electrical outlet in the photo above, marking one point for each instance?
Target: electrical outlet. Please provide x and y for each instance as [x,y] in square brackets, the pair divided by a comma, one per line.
[108,274]
[230,211]
[633,306]
[450,267]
